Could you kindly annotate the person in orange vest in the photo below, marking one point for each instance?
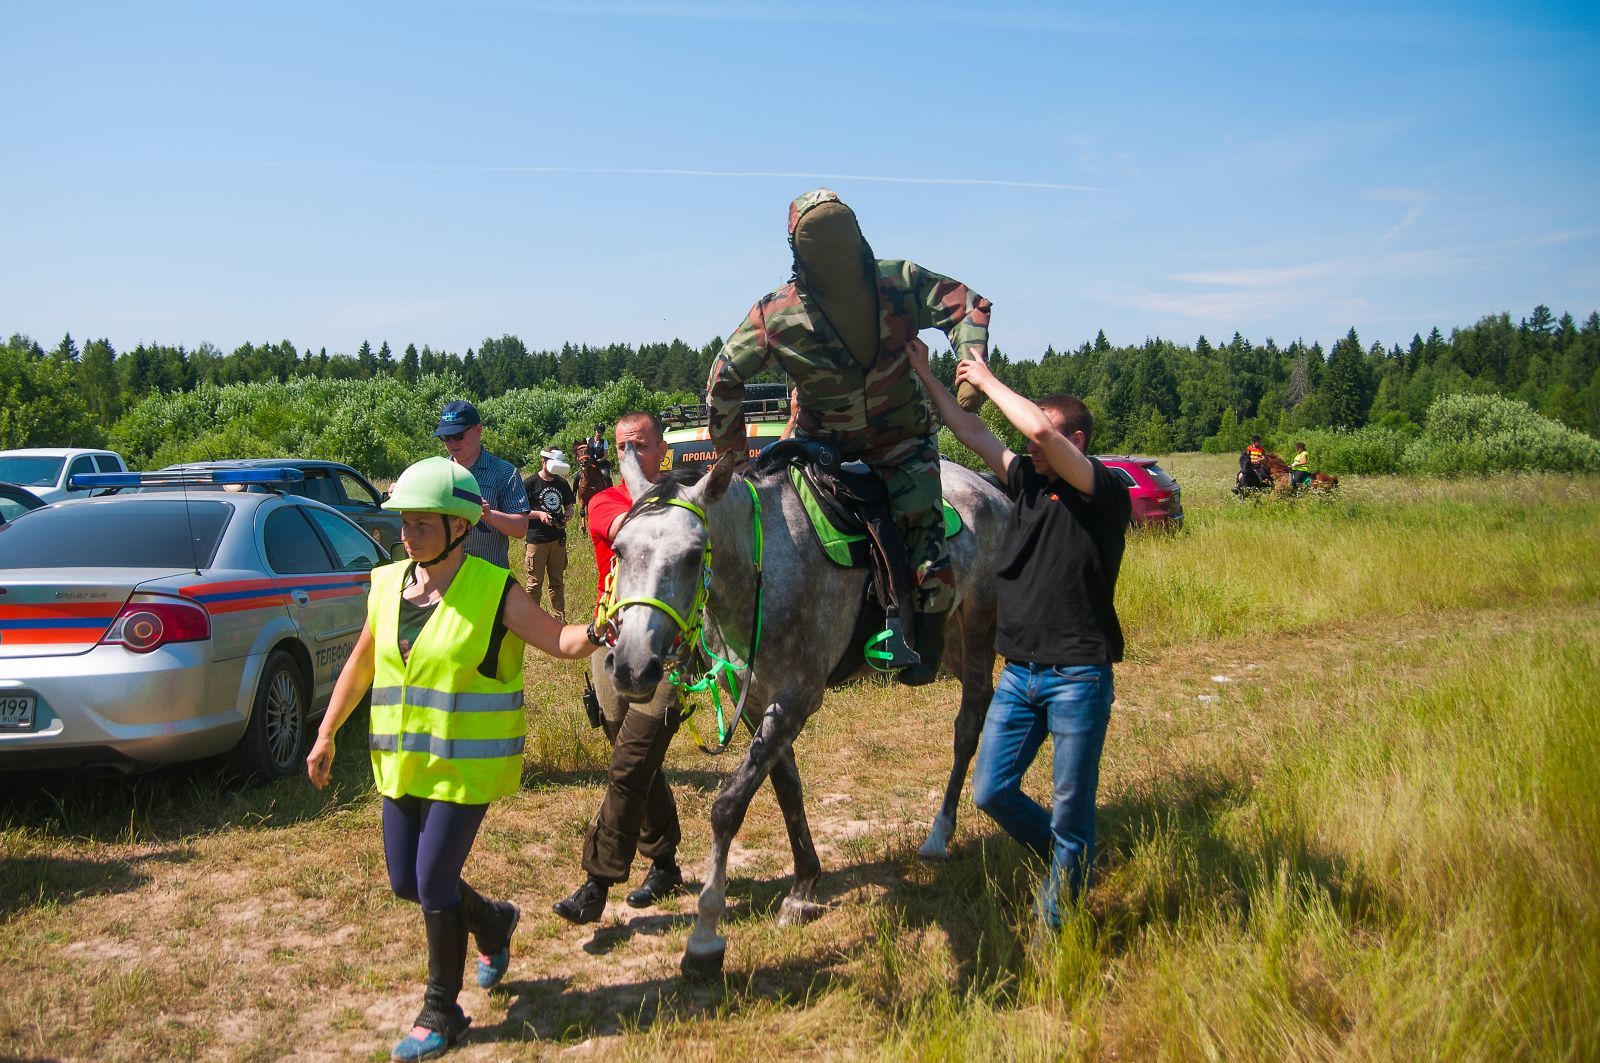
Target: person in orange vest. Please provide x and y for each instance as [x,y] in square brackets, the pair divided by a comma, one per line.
[1258,454]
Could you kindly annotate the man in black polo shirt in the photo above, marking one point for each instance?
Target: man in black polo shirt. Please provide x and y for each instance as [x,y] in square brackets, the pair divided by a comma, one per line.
[550,500]
[1058,628]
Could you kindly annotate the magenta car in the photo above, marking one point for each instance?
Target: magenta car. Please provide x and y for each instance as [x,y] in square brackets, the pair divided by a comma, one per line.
[1157,498]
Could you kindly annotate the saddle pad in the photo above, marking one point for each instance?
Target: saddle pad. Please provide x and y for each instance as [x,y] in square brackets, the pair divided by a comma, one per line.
[848,549]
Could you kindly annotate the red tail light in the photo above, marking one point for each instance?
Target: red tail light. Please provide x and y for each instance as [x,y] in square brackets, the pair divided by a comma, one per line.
[150,621]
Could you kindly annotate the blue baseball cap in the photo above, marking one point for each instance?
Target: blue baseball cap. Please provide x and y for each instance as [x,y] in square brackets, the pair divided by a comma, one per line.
[458,416]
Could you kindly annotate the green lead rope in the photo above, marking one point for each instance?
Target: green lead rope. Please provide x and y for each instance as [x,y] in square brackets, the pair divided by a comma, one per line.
[721,668]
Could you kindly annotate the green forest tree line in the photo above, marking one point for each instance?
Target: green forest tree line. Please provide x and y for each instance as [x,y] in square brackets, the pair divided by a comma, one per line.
[1158,396]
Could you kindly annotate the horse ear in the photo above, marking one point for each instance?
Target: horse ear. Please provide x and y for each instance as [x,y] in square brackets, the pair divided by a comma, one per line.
[633,472]
[716,481]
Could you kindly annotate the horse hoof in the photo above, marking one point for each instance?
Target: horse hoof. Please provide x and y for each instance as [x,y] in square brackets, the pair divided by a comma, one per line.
[798,913]
[937,847]
[704,965]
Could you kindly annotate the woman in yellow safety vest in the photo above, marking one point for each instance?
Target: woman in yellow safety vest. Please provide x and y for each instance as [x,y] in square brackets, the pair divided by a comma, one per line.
[1300,467]
[442,652]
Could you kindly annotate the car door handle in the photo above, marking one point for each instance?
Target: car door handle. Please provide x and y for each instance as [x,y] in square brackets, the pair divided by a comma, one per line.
[300,597]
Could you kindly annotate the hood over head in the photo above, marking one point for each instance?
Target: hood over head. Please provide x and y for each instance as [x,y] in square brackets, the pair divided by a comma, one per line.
[829,250]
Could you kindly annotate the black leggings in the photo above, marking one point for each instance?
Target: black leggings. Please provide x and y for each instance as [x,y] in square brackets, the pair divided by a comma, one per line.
[425,844]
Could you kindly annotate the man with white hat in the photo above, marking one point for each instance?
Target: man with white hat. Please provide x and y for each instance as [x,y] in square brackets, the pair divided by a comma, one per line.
[551,499]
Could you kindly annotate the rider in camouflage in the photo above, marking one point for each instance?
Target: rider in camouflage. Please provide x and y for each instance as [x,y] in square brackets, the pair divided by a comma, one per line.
[839,329]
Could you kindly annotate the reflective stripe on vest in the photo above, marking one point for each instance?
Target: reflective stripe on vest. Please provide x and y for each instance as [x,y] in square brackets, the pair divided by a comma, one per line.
[440,728]
[450,748]
[444,701]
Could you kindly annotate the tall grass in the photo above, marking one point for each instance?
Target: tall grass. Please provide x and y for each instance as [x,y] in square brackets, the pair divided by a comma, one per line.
[1377,553]
[1409,871]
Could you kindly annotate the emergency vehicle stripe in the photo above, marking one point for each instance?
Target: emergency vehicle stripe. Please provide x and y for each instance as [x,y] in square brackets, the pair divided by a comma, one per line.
[95,610]
[97,623]
[50,636]
[241,595]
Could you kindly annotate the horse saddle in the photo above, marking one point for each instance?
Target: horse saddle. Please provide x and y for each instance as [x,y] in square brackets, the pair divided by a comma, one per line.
[847,507]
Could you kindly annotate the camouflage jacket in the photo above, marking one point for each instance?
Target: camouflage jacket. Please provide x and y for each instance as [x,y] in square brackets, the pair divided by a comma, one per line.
[858,410]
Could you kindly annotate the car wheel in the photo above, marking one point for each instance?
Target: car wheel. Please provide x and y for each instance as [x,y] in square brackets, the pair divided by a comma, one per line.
[274,742]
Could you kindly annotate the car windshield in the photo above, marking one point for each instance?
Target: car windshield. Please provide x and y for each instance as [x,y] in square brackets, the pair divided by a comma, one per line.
[1162,477]
[31,470]
[149,533]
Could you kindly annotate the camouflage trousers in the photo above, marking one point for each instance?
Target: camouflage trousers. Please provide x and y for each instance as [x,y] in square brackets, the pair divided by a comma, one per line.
[910,469]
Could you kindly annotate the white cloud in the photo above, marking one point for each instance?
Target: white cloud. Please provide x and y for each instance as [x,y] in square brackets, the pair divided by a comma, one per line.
[1567,236]
[987,182]
[1256,293]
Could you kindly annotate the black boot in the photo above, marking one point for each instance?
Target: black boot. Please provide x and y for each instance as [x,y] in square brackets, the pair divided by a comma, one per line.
[930,647]
[586,903]
[492,923]
[447,963]
[662,880]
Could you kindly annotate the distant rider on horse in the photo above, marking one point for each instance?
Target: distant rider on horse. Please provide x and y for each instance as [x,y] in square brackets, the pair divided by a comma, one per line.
[839,329]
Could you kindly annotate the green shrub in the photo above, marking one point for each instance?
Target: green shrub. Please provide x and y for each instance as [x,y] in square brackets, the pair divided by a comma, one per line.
[1370,451]
[379,426]
[1488,433]
[41,404]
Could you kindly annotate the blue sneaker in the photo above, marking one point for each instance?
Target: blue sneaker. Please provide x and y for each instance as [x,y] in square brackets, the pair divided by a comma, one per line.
[492,966]
[430,1047]
[434,1045]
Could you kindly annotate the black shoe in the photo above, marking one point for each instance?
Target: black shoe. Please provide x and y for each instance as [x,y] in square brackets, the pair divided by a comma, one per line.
[663,880]
[930,647]
[585,905]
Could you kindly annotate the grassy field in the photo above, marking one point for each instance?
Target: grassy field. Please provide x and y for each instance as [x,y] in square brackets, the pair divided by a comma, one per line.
[1349,809]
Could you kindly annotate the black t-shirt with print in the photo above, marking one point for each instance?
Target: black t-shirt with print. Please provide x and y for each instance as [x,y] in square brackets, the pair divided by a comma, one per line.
[550,496]
[1058,567]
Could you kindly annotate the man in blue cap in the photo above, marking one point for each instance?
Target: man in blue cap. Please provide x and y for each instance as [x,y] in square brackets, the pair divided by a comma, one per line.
[505,500]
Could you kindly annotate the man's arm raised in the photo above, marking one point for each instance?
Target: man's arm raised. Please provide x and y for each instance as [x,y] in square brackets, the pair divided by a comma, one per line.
[1062,453]
[967,427]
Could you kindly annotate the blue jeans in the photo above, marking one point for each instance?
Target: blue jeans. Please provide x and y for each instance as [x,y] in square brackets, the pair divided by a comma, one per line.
[1073,705]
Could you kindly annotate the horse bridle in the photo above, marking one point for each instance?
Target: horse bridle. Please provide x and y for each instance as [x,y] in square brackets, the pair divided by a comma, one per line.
[691,630]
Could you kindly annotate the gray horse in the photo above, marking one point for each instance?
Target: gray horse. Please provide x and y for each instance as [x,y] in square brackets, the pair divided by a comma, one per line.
[809,608]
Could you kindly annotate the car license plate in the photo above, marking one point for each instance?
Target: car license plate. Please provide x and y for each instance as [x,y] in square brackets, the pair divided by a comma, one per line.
[16,712]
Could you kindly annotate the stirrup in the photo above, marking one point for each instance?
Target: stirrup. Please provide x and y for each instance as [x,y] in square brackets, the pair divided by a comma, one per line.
[887,651]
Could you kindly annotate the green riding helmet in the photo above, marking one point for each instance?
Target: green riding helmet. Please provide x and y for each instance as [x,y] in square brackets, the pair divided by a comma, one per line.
[437,485]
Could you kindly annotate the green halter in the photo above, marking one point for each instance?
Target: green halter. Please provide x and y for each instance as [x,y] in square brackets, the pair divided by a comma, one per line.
[691,630]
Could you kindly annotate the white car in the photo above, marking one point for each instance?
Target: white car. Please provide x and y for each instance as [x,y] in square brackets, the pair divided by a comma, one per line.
[48,471]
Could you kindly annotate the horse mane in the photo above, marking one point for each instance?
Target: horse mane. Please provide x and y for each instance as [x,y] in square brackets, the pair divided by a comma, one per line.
[1276,465]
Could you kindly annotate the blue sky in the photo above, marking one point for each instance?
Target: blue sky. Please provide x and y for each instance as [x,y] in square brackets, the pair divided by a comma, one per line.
[597,172]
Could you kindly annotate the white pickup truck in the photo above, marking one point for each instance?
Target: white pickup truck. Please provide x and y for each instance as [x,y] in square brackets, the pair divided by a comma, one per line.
[46,471]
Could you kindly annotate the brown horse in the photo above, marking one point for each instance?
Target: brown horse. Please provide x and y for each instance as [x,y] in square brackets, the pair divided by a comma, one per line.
[1283,478]
[594,476]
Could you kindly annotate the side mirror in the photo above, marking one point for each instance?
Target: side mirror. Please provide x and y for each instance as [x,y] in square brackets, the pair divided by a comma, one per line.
[397,552]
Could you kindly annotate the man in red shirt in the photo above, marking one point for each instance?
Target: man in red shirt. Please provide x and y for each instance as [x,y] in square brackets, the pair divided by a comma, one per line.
[637,812]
